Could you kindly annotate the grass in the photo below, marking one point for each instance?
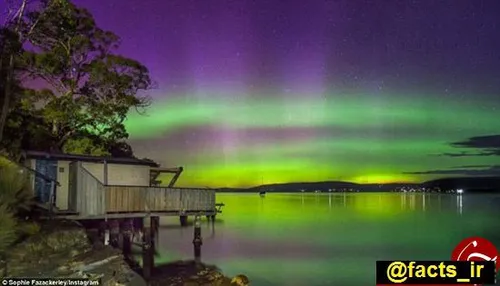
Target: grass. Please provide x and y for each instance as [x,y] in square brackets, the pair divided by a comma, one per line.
[16,200]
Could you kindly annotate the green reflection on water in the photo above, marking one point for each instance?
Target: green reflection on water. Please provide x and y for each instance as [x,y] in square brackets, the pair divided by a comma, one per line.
[292,239]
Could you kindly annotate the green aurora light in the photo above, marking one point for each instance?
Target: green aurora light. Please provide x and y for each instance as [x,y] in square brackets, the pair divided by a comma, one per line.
[230,141]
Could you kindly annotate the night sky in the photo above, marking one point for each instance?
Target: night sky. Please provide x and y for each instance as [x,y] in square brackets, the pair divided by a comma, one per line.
[263,91]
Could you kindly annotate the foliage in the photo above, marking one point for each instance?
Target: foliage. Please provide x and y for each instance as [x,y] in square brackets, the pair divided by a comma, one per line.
[15,198]
[10,49]
[84,146]
[15,192]
[8,224]
[87,90]
[90,90]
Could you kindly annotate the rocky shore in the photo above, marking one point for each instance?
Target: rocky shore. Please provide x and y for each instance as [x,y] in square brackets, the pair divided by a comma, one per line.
[64,250]
[191,273]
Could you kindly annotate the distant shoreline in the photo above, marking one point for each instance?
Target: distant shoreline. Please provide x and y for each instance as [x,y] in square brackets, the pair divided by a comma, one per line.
[445,185]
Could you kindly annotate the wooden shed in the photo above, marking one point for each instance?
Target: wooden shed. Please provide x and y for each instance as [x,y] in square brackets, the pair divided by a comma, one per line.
[84,186]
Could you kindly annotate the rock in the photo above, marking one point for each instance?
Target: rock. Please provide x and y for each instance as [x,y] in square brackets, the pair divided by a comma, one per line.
[182,273]
[70,255]
[240,280]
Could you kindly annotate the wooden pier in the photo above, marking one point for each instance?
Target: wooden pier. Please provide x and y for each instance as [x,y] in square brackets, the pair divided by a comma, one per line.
[91,199]
[118,212]
[133,201]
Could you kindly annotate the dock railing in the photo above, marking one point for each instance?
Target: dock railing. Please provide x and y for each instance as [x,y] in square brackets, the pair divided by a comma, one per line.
[158,199]
[93,198]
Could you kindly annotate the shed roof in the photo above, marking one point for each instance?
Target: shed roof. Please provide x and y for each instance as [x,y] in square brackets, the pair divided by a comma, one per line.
[88,158]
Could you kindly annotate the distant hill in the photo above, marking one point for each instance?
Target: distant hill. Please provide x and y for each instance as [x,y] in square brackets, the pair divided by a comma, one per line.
[476,184]
[321,186]
[295,187]
[308,187]
[466,183]
[386,187]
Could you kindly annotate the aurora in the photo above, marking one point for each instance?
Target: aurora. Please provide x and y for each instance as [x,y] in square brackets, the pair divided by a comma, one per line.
[252,92]
[267,141]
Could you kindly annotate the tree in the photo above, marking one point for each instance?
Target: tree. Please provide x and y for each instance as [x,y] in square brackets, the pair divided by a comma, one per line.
[89,90]
[10,46]
[10,90]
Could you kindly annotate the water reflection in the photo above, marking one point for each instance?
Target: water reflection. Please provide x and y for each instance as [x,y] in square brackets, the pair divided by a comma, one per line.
[424,197]
[331,238]
[460,204]
[212,228]
[389,203]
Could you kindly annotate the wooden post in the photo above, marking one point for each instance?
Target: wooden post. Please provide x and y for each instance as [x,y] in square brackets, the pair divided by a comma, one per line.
[184,220]
[104,231]
[121,231]
[197,241]
[155,225]
[114,232]
[147,250]
[105,177]
[126,231]
[138,229]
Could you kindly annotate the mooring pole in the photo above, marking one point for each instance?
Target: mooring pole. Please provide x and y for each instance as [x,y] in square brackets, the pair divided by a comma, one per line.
[197,241]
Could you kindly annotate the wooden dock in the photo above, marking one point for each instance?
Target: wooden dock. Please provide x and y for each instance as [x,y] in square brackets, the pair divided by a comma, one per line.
[91,199]
[120,213]
[133,201]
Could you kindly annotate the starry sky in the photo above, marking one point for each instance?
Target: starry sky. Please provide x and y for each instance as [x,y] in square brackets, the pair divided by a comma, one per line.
[268,91]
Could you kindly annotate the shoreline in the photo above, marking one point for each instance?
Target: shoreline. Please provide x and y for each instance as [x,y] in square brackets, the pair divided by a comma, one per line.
[65,249]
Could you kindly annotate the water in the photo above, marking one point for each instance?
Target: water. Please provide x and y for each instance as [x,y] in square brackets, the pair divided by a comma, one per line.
[331,239]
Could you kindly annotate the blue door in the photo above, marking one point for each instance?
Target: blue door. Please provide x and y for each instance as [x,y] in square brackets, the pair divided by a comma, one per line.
[42,187]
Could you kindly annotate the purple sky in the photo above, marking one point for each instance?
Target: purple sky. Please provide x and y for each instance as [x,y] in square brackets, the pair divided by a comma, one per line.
[302,44]
[272,91]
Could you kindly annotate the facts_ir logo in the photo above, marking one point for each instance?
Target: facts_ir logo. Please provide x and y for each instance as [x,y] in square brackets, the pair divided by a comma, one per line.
[472,249]
[475,249]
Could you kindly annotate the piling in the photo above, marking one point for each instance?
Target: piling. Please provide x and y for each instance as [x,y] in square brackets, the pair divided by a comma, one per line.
[155,226]
[147,250]
[104,232]
[138,224]
[120,234]
[126,229]
[114,232]
[184,220]
[197,241]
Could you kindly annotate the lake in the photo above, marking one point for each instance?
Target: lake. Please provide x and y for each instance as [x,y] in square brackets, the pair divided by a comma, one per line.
[331,239]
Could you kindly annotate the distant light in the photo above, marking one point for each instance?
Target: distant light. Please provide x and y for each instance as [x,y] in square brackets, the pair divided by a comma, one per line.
[460,191]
